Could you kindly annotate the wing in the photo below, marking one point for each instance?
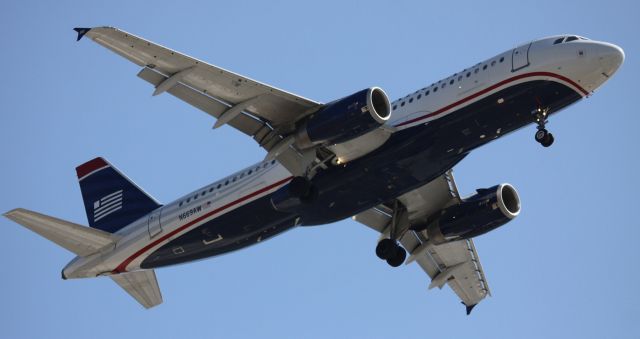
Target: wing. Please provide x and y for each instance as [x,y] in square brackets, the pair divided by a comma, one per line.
[454,263]
[261,111]
[141,285]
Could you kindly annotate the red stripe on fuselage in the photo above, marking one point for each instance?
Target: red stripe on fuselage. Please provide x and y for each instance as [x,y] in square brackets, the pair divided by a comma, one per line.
[123,266]
[492,87]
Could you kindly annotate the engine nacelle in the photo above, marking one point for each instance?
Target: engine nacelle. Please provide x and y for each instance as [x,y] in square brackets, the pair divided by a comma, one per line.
[345,119]
[487,210]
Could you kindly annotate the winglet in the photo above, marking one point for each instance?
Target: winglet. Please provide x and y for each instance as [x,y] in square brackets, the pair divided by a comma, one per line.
[81,32]
[469,308]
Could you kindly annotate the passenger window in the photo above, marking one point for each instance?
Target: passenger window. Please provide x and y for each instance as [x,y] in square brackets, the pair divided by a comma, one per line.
[484,67]
[273,162]
[226,183]
[250,171]
[180,204]
[395,106]
[451,82]
[419,96]
[460,78]
[501,59]
[435,89]
[444,84]
[468,74]
[402,104]
[411,100]
[426,93]
[204,192]
[219,185]
[476,71]
[234,179]
[211,190]
[188,199]
[195,197]
[493,63]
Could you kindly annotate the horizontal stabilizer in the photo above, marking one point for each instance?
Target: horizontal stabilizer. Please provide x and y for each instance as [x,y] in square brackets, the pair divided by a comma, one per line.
[78,239]
[141,285]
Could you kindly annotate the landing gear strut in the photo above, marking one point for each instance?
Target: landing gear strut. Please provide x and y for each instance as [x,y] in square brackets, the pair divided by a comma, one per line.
[389,249]
[542,135]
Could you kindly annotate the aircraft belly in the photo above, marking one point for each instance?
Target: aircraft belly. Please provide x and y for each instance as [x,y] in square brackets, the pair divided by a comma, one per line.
[409,159]
[242,227]
[414,156]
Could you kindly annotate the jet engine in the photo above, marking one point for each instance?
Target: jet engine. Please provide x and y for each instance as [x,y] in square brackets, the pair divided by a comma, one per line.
[345,119]
[487,210]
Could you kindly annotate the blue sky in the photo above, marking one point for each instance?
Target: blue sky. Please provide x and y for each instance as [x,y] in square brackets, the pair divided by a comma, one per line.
[566,267]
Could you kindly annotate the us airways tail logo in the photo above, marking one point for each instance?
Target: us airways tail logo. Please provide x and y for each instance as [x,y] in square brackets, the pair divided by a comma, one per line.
[107,205]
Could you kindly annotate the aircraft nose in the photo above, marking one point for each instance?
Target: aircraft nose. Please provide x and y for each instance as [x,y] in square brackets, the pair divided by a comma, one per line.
[610,57]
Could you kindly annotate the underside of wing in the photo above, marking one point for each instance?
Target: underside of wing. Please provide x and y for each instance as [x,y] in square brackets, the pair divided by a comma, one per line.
[454,263]
[272,104]
[265,113]
[303,135]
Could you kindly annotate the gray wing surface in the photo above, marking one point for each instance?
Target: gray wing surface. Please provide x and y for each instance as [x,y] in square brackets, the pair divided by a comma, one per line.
[261,111]
[454,263]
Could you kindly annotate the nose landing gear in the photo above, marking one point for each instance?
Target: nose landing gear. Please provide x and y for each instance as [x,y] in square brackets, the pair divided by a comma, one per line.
[542,135]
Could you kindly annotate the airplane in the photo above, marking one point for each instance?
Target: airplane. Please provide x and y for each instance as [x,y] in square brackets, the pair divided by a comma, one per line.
[387,165]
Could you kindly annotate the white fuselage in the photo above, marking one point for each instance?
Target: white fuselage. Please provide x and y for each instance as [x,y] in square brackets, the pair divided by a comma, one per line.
[581,64]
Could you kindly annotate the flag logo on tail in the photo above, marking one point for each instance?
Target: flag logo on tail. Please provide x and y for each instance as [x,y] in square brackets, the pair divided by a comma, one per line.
[107,205]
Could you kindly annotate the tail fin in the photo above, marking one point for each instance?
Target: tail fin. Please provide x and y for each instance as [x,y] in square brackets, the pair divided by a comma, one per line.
[111,200]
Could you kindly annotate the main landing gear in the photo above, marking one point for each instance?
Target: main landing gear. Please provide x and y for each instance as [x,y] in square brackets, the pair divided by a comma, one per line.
[542,135]
[389,249]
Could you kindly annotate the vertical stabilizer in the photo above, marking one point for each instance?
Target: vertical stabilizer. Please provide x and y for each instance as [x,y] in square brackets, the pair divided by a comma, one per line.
[111,200]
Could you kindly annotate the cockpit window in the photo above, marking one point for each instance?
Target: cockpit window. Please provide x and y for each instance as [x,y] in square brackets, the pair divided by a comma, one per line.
[568,39]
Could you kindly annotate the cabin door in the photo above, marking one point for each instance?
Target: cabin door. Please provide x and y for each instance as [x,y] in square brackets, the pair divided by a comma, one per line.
[520,57]
[154,223]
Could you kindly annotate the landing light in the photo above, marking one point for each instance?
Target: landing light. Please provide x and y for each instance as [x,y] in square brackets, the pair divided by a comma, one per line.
[501,100]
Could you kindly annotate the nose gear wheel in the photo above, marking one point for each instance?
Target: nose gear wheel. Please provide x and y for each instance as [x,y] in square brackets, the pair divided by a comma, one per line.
[542,136]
